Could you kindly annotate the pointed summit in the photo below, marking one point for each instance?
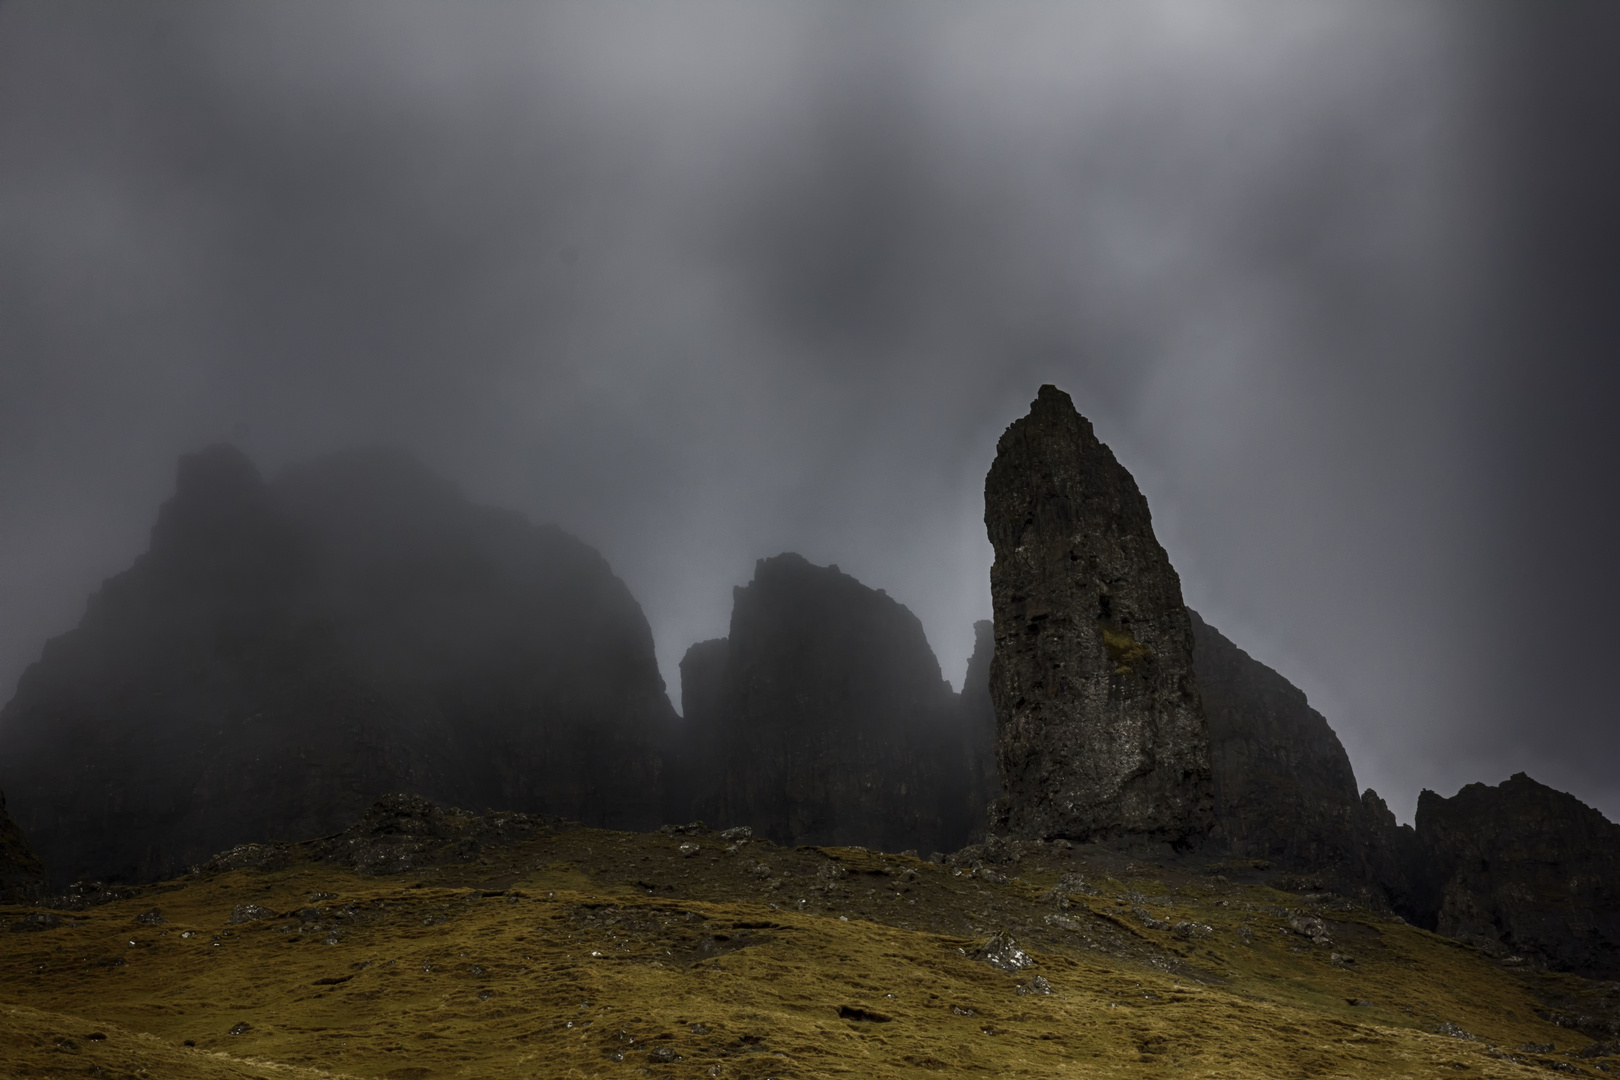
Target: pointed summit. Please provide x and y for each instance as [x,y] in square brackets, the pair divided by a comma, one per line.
[1100,730]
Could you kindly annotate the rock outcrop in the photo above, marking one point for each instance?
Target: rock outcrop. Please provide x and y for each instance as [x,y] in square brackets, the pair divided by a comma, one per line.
[979,716]
[1100,730]
[287,652]
[1284,788]
[1525,870]
[823,719]
[22,875]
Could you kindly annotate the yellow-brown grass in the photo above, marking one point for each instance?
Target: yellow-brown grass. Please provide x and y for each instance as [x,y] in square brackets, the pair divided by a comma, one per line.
[598,954]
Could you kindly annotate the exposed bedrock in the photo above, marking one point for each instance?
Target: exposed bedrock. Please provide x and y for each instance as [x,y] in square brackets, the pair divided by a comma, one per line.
[1100,730]
[823,719]
[287,652]
[1522,869]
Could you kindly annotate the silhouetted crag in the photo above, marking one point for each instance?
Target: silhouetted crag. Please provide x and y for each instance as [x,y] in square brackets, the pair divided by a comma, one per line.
[22,875]
[979,714]
[1100,728]
[823,719]
[1522,869]
[287,652]
[1284,789]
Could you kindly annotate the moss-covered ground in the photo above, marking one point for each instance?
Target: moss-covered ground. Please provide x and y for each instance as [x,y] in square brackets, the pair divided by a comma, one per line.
[584,953]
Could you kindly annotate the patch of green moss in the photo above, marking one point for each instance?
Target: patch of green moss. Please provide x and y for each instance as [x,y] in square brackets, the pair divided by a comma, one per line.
[1124,650]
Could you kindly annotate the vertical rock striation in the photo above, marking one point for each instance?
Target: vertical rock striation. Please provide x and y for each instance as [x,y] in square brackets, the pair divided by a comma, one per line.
[287,652]
[1100,728]
[823,718]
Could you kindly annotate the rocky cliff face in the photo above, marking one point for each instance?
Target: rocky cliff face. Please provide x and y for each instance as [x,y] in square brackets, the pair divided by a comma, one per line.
[823,719]
[1284,789]
[979,716]
[1100,727]
[1522,869]
[22,875]
[286,652]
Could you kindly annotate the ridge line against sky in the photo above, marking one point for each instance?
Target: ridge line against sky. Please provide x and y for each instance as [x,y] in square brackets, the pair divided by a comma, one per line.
[706,282]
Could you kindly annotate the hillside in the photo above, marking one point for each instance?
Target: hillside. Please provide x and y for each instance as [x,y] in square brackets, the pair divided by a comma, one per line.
[426,943]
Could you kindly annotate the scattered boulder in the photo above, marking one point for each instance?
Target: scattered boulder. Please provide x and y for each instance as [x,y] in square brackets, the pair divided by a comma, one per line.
[1003,953]
[244,913]
[35,921]
[288,651]
[1100,729]
[404,832]
[823,719]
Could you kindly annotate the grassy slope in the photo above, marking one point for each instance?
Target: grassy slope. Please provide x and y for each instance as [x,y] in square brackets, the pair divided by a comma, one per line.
[589,953]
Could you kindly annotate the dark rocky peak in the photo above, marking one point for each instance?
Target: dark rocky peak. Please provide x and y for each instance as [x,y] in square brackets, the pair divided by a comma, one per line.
[376,504]
[222,532]
[22,875]
[427,582]
[979,715]
[1523,869]
[287,652]
[827,621]
[823,717]
[215,487]
[1100,727]
[1284,788]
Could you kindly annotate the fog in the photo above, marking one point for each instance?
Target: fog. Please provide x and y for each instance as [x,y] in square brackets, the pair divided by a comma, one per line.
[706,282]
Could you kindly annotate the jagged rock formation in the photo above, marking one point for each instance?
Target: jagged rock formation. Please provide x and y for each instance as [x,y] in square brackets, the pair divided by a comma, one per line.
[1284,789]
[979,717]
[286,652]
[1100,729]
[1391,857]
[1523,869]
[823,718]
[22,875]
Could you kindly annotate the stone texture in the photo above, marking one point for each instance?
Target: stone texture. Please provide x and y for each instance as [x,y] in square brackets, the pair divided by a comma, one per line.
[823,719]
[22,875]
[1100,730]
[286,652]
[1284,789]
[1522,869]
[979,716]
[1392,857]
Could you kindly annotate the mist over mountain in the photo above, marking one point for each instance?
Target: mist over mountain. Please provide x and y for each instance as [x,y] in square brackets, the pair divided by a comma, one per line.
[719,281]
[286,652]
[823,719]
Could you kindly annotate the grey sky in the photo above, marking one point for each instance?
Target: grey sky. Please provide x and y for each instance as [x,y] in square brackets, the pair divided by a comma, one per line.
[704,282]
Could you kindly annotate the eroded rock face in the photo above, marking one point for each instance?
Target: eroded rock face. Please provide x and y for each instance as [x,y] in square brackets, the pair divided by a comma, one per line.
[1100,727]
[979,716]
[22,875]
[1523,869]
[286,652]
[823,718]
[1284,789]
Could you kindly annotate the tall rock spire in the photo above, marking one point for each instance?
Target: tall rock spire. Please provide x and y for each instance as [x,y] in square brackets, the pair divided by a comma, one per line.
[1100,730]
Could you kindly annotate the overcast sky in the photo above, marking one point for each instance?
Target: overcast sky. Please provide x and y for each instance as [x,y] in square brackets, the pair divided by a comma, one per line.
[704,282]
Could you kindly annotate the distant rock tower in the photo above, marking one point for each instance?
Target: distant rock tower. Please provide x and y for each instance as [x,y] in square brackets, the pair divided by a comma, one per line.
[1099,728]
